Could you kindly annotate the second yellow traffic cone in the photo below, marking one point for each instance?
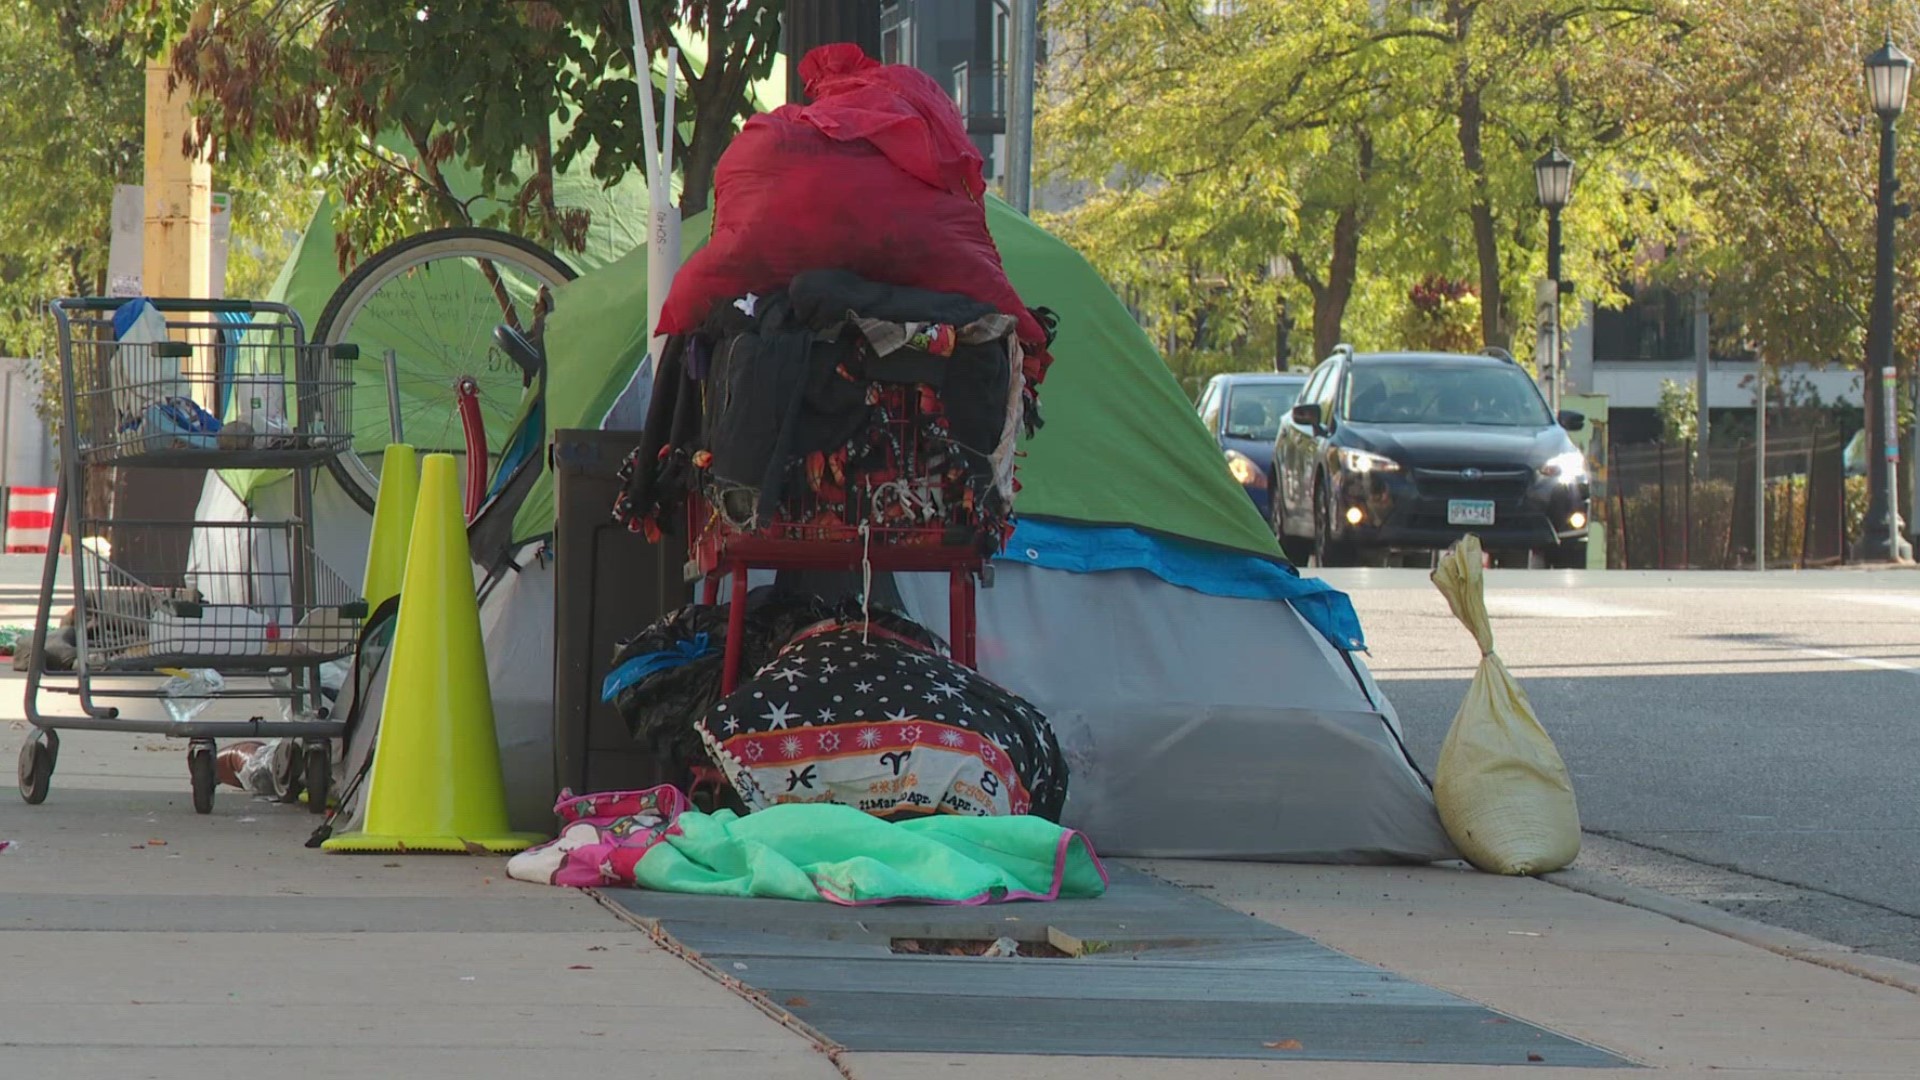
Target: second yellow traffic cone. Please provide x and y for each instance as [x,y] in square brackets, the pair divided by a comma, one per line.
[436,783]
[393,510]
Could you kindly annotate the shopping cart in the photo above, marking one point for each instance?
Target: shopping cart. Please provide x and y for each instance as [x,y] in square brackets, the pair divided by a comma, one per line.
[183,613]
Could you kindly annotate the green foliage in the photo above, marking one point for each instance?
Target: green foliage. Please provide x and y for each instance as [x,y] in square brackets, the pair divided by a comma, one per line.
[1373,145]
[71,111]
[381,96]
[1679,411]
[1767,96]
[1717,541]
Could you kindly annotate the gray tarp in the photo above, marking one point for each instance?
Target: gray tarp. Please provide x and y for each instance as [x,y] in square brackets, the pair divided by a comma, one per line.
[1199,726]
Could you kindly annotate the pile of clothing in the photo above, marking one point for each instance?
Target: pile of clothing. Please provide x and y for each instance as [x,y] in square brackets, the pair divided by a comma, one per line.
[836,403]
[846,359]
[846,362]
[860,708]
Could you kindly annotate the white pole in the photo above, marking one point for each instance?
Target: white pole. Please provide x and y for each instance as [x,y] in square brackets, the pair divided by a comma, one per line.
[1760,469]
[663,222]
[1913,390]
[1546,311]
[1702,350]
[643,77]
[6,427]
[663,233]
[1888,388]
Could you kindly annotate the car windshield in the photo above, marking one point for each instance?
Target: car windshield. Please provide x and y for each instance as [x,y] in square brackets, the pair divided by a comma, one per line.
[1488,395]
[1256,409]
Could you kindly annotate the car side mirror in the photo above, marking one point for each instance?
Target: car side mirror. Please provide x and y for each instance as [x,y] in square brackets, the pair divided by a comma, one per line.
[1307,416]
[1572,421]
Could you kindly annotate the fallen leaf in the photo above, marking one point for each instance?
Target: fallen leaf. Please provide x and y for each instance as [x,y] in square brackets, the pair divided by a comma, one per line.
[1497,1020]
[596,948]
[475,849]
[579,967]
[796,1003]
[156,843]
[1284,1044]
[1535,1057]
[391,865]
[139,847]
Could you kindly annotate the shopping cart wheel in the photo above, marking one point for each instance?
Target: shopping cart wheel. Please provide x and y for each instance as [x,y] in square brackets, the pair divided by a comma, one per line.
[38,755]
[319,777]
[200,756]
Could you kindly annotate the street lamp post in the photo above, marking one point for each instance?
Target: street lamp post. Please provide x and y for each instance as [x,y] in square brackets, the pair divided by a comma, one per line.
[1553,182]
[1279,269]
[1888,73]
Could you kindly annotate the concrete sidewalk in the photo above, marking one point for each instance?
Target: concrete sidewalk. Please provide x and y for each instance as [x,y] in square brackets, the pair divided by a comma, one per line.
[141,940]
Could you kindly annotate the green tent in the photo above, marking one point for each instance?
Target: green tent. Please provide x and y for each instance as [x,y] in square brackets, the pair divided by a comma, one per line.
[1122,444]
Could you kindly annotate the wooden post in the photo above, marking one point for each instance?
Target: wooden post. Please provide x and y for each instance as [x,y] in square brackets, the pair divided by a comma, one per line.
[176,261]
[177,245]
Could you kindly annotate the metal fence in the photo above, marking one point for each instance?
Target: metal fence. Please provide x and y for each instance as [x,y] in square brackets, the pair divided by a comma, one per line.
[1666,507]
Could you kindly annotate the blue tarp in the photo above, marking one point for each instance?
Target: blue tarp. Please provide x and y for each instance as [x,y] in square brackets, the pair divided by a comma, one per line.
[1086,549]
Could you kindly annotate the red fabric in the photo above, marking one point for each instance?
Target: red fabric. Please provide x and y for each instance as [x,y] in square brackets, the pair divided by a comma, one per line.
[877,177]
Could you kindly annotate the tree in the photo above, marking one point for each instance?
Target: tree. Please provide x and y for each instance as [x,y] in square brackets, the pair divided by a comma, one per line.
[71,114]
[382,95]
[1209,144]
[1375,144]
[1768,97]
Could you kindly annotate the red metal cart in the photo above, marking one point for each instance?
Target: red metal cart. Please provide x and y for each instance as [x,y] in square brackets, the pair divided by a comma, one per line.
[817,534]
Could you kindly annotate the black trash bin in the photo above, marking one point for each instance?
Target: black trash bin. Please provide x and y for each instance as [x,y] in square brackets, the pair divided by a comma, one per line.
[609,584]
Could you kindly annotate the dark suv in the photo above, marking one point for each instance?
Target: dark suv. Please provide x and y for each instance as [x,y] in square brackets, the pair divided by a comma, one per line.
[1412,451]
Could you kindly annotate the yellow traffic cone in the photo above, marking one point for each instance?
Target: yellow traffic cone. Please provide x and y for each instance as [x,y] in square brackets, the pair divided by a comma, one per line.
[392,525]
[436,783]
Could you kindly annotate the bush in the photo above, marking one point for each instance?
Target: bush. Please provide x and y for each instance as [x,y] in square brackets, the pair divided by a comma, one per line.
[1707,544]
[1717,541]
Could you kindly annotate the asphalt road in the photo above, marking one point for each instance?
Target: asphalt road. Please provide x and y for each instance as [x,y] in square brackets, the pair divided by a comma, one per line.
[1748,740]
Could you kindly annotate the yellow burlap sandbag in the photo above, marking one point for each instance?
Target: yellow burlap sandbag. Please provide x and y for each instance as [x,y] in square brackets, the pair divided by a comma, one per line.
[1503,792]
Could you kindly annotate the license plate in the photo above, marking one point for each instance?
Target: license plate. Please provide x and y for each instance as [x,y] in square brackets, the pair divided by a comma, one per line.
[1469,511]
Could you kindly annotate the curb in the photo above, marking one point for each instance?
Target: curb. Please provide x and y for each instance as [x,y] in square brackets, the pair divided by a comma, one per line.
[1788,943]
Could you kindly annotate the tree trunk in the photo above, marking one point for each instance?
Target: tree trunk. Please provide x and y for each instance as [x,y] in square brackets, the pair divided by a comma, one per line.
[812,23]
[1486,244]
[712,132]
[1331,299]
[1331,296]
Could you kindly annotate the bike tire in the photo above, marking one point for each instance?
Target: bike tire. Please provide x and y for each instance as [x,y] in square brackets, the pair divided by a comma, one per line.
[355,475]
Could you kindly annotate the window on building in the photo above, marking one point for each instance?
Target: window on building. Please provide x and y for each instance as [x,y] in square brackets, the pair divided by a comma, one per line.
[1655,326]
[960,95]
[896,37]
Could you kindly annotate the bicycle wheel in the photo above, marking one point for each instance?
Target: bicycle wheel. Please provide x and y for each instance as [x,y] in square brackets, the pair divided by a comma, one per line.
[432,301]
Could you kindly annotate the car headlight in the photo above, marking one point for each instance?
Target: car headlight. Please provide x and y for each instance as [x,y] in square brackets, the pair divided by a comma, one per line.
[1567,468]
[1361,461]
[1245,472]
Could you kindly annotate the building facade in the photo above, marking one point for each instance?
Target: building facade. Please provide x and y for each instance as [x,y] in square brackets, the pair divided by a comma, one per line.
[963,45]
[1658,337]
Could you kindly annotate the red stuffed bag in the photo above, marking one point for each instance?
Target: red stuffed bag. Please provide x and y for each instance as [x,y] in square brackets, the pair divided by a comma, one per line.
[876,177]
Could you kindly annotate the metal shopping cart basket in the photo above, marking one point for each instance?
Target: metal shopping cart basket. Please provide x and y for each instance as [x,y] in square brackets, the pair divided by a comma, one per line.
[156,605]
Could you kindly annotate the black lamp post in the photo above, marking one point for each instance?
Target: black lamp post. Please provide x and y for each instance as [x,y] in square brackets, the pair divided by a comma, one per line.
[1888,72]
[1553,182]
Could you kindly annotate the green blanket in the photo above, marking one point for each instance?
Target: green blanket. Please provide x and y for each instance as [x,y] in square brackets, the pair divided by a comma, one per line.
[824,851]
